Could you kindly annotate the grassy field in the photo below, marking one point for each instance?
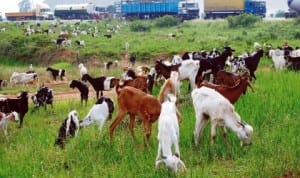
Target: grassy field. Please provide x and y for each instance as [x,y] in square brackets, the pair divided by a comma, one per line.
[273,111]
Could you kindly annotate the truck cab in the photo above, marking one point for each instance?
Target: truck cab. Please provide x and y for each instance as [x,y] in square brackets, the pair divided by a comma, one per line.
[256,7]
[188,10]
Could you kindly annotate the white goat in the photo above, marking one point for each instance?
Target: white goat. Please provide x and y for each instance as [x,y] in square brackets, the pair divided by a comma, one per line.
[99,113]
[23,78]
[168,136]
[14,116]
[277,56]
[208,103]
[176,60]
[83,69]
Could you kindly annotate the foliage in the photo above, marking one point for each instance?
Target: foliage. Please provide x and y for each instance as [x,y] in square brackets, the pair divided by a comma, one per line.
[140,26]
[243,20]
[166,21]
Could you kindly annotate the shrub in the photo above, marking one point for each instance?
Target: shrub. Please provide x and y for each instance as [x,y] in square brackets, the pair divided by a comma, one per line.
[166,21]
[243,20]
[140,26]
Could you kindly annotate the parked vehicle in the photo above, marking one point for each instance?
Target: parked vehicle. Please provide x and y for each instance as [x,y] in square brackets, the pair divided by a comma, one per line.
[223,8]
[145,9]
[80,11]
[294,10]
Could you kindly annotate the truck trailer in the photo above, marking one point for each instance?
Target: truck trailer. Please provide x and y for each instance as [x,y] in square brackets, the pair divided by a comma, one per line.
[80,11]
[145,9]
[294,10]
[223,8]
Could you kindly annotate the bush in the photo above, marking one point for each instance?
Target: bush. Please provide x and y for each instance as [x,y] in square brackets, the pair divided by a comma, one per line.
[243,20]
[166,21]
[140,26]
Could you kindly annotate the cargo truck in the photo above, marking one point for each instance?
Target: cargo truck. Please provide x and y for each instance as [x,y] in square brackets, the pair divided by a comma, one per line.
[222,8]
[145,9]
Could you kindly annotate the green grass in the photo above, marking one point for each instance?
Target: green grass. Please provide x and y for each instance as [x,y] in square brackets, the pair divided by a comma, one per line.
[273,111]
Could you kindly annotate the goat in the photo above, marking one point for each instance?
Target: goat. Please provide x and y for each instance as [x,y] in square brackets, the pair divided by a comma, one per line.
[100,83]
[19,104]
[14,116]
[226,78]
[293,62]
[80,43]
[83,88]
[43,97]
[107,36]
[57,73]
[140,82]
[132,59]
[3,83]
[251,62]
[232,93]
[82,69]
[208,103]
[277,56]
[99,113]
[168,136]
[23,78]
[69,128]
[135,102]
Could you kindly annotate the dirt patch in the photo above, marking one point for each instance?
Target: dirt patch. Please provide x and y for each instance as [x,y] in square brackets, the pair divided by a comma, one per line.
[58,55]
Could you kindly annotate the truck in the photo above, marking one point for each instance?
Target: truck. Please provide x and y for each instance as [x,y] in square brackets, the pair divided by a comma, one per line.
[294,9]
[41,11]
[223,8]
[148,9]
[80,11]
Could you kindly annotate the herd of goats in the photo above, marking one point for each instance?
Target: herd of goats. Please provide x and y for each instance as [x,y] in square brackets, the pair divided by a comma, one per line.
[214,91]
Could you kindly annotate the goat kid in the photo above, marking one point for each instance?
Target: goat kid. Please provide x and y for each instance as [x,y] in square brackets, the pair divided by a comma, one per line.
[168,136]
[69,128]
[99,113]
[13,116]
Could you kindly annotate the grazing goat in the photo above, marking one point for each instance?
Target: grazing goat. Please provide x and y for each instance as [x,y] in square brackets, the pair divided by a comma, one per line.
[23,78]
[132,59]
[57,73]
[100,83]
[99,113]
[210,104]
[69,128]
[232,93]
[134,102]
[140,82]
[43,97]
[168,136]
[82,69]
[14,116]
[226,78]
[19,104]
[293,62]
[83,88]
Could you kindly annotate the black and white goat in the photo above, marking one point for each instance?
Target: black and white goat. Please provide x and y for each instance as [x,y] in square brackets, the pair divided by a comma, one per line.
[43,97]
[99,113]
[4,118]
[80,43]
[83,88]
[101,83]
[19,104]
[69,128]
[57,73]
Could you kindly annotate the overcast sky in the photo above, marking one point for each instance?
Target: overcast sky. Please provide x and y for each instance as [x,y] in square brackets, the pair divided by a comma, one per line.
[272,5]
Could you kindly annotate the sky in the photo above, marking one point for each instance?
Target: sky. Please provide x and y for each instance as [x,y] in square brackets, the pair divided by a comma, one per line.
[272,5]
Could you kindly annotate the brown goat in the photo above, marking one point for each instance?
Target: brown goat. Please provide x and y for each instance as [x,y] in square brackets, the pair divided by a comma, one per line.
[135,102]
[231,93]
[139,82]
[226,78]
